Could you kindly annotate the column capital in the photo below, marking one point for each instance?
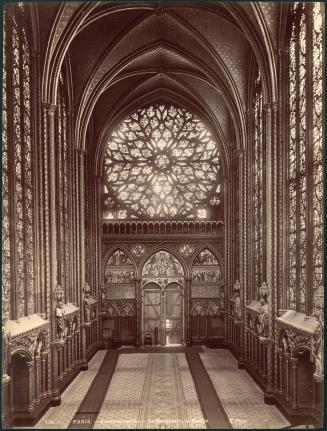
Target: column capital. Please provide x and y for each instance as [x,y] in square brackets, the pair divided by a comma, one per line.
[49,108]
[294,362]
[250,113]
[271,106]
[80,151]
[241,152]
[283,51]
[35,53]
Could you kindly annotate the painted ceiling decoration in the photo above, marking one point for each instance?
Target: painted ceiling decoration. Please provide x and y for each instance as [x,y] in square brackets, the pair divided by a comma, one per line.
[162,162]
[124,44]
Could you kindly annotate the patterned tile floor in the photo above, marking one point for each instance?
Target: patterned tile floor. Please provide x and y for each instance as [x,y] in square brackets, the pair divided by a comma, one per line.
[60,417]
[156,391]
[241,397]
[151,391]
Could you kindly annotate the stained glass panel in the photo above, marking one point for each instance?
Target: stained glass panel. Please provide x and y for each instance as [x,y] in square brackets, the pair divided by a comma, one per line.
[5,191]
[301,172]
[258,184]
[317,148]
[18,184]
[63,188]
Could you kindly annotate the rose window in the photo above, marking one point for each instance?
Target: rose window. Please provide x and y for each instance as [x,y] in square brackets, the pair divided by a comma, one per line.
[161,162]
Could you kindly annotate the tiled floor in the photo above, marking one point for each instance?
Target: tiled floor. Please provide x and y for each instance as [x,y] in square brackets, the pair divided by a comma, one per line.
[60,417]
[151,391]
[156,391]
[241,397]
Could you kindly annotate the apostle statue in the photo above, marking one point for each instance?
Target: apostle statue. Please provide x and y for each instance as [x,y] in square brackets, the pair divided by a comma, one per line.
[87,303]
[60,319]
[263,321]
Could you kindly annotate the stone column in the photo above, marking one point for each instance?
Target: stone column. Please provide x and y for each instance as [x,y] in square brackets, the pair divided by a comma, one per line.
[80,172]
[281,370]
[30,367]
[38,388]
[98,251]
[50,237]
[294,363]
[271,223]
[44,376]
[287,376]
[138,296]
[187,311]
[243,222]
[255,351]
[73,350]
[260,362]
[69,348]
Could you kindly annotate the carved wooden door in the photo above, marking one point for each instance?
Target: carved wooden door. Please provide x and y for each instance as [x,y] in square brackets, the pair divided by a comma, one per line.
[152,313]
[173,317]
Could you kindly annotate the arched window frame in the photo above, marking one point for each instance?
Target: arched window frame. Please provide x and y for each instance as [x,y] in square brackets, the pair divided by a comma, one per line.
[304,234]
[18,140]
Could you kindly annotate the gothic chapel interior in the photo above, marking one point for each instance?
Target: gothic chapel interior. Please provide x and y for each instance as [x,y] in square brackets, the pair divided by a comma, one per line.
[162,206]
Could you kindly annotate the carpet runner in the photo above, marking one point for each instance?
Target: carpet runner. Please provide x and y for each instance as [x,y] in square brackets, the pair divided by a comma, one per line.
[212,409]
[91,404]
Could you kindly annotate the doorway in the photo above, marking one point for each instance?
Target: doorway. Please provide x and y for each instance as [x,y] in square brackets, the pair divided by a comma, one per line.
[163,314]
[162,300]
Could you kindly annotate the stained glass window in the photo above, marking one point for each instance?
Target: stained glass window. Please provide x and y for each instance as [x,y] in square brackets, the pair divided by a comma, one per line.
[317,148]
[305,156]
[5,188]
[63,163]
[258,183]
[161,162]
[18,200]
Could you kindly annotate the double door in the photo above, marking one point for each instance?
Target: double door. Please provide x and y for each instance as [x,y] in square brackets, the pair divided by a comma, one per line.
[163,315]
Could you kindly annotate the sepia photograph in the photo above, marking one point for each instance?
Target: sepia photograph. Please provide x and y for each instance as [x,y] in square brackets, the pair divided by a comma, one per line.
[162,214]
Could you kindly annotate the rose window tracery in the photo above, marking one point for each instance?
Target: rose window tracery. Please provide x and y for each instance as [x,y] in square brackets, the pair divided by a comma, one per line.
[161,161]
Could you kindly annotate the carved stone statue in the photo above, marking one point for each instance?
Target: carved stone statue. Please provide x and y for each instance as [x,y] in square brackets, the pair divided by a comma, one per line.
[263,326]
[87,309]
[285,346]
[317,347]
[317,340]
[60,319]
[236,301]
[87,303]
[238,308]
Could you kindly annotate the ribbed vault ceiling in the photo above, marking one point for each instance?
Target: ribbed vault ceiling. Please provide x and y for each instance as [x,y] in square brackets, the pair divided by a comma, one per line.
[122,54]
